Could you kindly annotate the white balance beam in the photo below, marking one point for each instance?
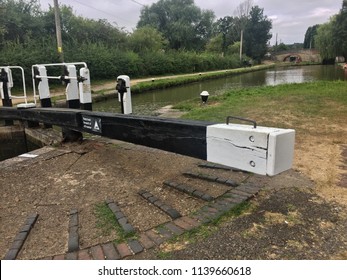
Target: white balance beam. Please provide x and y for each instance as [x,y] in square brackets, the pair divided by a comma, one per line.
[261,150]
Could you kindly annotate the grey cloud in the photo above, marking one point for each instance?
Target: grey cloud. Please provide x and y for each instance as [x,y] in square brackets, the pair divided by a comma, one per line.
[290,18]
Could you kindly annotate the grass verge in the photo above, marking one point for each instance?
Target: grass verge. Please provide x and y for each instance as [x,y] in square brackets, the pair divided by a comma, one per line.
[107,223]
[289,105]
[202,232]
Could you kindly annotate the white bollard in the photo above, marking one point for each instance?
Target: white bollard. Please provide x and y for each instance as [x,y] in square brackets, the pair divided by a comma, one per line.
[204,96]
[85,89]
[9,83]
[124,94]
[72,97]
[43,87]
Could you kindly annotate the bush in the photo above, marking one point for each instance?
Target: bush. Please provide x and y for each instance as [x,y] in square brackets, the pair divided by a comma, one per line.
[105,62]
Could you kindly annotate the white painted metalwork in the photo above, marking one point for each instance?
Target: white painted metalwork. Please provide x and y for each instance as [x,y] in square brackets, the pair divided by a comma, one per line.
[124,94]
[42,88]
[10,83]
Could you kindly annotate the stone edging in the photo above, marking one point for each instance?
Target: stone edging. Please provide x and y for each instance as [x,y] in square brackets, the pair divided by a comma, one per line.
[162,233]
[21,237]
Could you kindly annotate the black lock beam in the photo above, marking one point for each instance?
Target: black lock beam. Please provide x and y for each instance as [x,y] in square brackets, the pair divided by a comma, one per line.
[184,137]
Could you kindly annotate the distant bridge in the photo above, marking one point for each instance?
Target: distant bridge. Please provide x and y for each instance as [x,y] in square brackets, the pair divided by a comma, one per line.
[305,55]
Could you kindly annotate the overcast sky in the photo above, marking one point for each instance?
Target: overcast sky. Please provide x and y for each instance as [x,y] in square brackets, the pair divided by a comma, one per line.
[290,19]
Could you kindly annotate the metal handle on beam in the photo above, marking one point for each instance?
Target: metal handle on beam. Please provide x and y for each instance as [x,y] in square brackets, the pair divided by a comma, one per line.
[241,119]
[56,77]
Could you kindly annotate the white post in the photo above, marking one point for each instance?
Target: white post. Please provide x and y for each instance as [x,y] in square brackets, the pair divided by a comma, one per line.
[43,87]
[241,43]
[85,90]
[124,94]
[72,97]
[9,83]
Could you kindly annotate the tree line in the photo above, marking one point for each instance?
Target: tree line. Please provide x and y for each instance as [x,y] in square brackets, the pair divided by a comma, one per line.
[171,36]
[329,38]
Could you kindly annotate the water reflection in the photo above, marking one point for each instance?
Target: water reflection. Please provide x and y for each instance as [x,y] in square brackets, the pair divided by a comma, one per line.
[289,76]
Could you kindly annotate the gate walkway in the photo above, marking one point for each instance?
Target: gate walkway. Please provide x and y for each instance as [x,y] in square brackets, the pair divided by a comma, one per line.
[50,198]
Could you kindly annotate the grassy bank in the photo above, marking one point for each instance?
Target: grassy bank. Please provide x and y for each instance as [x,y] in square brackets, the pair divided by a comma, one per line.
[167,82]
[289,105]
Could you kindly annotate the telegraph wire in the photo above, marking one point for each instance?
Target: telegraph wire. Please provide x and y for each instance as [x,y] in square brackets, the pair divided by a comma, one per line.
[137,3]
[106,13]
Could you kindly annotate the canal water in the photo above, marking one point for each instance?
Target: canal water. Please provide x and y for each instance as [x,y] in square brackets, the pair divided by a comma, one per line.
[13,142]
[147,103]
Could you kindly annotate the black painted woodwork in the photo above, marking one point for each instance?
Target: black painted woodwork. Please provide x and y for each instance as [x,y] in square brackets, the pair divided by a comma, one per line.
[179,136]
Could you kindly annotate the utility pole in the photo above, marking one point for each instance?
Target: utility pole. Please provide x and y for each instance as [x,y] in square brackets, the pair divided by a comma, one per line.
[58,30]
[241,43]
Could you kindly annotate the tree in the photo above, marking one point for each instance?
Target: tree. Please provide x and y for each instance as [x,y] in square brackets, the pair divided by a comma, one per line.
[309,41]
[204,28]
[331,38]
[242,15]
[244,8]
[324,40]
[147,39]
[282,47]
[257,34]
[224,28]
[78,30]
[234,49]
[20,20]
[181,22]
[216,44]
[2,22]
[339,30]
[230,27]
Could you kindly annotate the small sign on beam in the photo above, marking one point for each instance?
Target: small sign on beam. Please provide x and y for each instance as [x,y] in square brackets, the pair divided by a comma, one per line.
[93,124]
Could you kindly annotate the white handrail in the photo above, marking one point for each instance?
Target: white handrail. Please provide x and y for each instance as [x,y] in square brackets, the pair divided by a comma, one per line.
[24,96]
[52,77]
[62,64]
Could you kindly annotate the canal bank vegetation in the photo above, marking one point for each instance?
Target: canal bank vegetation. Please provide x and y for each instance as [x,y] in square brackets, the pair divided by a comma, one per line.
[163,83]
[287,105]
[171,37]
[329,38]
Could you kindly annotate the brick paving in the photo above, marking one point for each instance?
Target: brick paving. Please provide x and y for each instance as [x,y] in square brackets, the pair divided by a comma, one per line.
[146,240]
[73,242]
[156,236]
[97,252]
[123,250]
[212,178]
[343,166]
[173,228]
[135,246]
[111,253]
[21,237]
[120,217]
[138,242]
[83,255]
[173,213]
[188,190]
